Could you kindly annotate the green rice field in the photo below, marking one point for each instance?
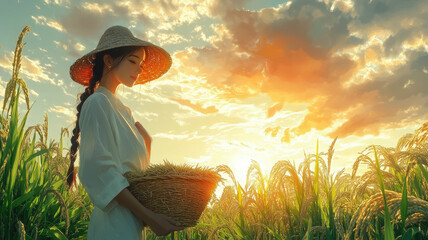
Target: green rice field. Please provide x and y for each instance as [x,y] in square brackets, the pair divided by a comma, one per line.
[294,201]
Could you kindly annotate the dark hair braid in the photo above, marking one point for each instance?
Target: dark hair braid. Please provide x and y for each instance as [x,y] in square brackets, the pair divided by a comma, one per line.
[97,69]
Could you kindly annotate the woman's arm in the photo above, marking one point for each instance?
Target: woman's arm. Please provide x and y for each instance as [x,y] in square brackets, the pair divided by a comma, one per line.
[160,224]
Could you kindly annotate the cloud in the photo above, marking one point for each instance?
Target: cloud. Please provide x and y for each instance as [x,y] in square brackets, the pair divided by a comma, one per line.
[79,47]
[272,131]
[64,89]
[167,14]
[71,47]
[2,90]
[196,107]
[3,85]
[60,44]
[221,7]
[274,109]
[396,103]
[84,23]
[91,19]
[225,127]
[67,112]
[167,38]
[200,159]
[42,20]
[148,116]
[34,93]
[336,57]
[171,136]
[57,2]
[31,69]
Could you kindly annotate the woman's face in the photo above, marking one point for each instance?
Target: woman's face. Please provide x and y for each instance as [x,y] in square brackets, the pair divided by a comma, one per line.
[130,67]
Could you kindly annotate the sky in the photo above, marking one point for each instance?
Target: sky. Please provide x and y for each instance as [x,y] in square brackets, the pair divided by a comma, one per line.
[250,80]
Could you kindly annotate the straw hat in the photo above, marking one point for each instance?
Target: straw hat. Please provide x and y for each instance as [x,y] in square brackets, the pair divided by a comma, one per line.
[157,62]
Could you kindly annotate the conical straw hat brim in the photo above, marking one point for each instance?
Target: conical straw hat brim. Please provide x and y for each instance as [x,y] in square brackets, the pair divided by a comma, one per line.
[157,62]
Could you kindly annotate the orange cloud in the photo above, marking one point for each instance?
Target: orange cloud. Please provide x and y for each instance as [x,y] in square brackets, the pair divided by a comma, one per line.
[274,109]
[295,54]
[196,107]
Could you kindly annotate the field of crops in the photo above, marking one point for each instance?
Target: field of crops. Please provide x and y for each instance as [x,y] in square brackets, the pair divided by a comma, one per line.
[305,201]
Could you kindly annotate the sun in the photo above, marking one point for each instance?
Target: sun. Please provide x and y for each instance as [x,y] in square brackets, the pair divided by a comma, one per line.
[241,164]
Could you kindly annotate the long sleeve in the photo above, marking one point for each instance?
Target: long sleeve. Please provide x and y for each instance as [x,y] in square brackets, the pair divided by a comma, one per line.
[99,171]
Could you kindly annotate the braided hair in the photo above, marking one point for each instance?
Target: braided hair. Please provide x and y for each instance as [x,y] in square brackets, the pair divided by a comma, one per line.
[117,54]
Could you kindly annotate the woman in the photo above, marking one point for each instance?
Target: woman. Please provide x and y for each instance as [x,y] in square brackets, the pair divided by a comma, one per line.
[112,143]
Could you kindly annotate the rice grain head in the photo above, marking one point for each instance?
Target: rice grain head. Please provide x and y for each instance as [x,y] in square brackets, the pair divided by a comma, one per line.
[64,209]
[25,89]
[21,230]
[368,211]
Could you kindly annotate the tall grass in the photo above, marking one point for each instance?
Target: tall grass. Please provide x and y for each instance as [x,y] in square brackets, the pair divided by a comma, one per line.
[389,233]
[388,201]
[35,201]
[295,202]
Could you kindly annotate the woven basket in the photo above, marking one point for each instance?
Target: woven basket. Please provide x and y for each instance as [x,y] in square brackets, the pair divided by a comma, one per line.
[182,194]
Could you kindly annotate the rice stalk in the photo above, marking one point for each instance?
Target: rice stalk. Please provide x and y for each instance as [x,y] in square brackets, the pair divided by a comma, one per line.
[419,138]
[226,169]
[25,89]
[3,166]
[21,230]
[39,131]
[320,231]
[214,232]
[45,127]
[170,169]
[78,200]
[308,234]
[64,208]
[338,223]
[366,214]
[16,65]
[27,134]
[9,92]
[2,230]
[404,204]
[389,231]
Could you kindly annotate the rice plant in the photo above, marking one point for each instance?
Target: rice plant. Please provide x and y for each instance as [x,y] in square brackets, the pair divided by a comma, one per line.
[300,202]
[294,201]
[35,202]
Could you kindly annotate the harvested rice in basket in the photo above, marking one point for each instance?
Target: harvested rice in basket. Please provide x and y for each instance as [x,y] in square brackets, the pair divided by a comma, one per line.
[181,192]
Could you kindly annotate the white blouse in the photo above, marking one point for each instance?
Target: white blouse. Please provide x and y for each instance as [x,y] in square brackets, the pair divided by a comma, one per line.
[110,145]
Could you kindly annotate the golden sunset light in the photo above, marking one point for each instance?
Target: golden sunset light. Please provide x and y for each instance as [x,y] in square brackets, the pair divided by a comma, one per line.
[251,82]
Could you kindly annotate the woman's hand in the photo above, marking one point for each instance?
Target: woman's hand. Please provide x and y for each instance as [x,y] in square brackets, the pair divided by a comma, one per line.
[163,225]
[143,132]
[160,224]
